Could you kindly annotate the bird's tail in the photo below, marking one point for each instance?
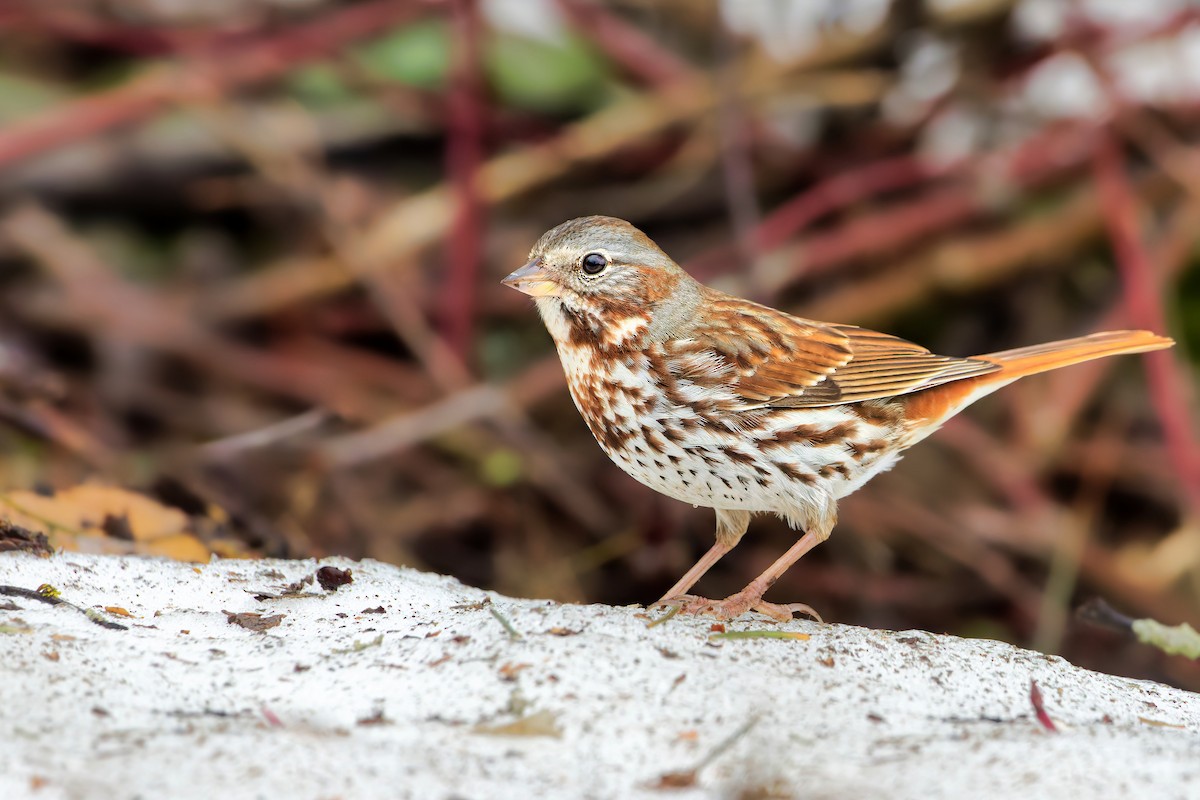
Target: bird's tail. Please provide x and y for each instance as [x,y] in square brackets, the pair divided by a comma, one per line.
[940,403]
[1052,355]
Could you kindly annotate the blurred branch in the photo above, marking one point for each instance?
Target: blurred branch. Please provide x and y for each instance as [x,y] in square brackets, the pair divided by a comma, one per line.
[82,25]
[337,207]
[96,300]
[946,536]
[840,191]
[420,221]
[483,401]
[299,177]
[736,157]
[972,260]
[1074,534]
[48,423]
[996,463]
[207,76]
[993,181]
[1072,389]
[464,152]
[1143,298]
[268,436]
[626,44]
[505,406]
[993,185]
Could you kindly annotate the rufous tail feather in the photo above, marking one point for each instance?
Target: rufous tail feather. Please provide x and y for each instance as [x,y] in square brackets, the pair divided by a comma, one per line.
[1042,357]
[944,401]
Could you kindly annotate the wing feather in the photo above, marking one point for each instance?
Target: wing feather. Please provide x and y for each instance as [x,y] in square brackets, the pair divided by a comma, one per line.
[772,359]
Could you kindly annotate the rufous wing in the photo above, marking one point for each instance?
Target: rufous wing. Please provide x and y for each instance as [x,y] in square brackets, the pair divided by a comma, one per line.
[772,359]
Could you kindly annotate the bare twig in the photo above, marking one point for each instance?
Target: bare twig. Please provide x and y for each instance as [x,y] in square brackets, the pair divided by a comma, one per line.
[268,436]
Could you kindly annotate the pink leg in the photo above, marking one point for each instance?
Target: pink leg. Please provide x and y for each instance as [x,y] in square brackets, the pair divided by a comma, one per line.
[731,526]
[696,572]
[751,597]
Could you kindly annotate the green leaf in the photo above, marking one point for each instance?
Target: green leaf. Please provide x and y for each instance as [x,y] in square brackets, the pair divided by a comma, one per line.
[544,76]
[501,467]
[793,635]
[417,55]
[21,96]
[319,86]
[1177,640]
[1186,301]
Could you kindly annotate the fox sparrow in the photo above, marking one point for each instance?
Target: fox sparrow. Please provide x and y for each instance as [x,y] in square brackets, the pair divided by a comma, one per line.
[724,403]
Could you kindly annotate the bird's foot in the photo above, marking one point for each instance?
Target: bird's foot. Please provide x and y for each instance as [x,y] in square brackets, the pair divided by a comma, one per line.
[735,605]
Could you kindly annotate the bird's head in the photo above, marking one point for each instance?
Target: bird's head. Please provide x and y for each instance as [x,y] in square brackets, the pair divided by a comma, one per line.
[601,281]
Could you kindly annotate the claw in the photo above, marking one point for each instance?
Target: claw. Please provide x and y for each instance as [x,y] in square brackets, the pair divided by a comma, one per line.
[803,608]
[734,606]
[688,604]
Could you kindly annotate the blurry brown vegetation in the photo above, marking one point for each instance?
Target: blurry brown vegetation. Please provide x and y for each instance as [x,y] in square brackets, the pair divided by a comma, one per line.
[250,252]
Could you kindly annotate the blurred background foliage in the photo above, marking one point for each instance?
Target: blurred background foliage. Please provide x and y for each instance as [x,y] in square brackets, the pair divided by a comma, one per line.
[250,252]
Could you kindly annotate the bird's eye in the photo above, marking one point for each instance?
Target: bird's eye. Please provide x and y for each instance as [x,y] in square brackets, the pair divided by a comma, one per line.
[594,263]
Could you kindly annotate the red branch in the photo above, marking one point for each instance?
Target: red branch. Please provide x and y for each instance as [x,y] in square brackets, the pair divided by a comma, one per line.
[1145,309]
[734,134]
[1037,160]
[1039,709]
[626,44]
[135,39]
[871,234]
[253,61]
[839,191]
[896,227]
[463,156]
[270,716]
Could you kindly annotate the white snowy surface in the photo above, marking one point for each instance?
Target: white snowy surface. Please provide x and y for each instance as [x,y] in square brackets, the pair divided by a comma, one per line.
[337,702]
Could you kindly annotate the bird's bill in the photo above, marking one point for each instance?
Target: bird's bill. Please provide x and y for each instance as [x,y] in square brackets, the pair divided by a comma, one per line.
[533,281]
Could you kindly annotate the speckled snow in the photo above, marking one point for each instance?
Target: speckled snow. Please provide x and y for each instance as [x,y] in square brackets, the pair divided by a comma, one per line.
[184,704]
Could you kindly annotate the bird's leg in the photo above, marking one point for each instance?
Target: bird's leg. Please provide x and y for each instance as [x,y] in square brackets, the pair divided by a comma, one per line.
[694,574]
[750,598]
[731,526]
